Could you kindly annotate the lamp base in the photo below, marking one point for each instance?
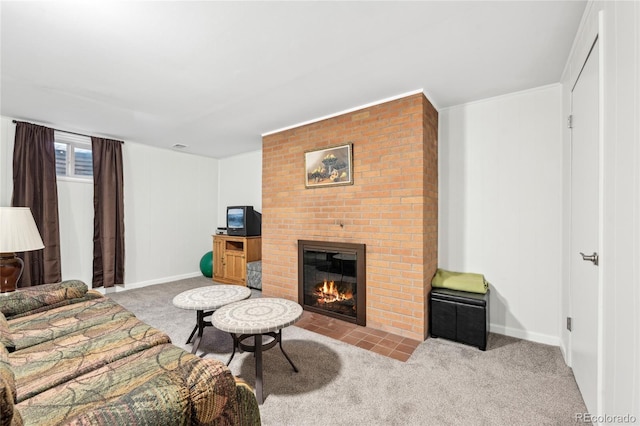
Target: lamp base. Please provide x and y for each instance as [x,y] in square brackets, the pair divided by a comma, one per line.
[10,271]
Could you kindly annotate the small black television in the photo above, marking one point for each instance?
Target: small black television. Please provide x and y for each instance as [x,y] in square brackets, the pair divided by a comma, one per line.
[243,221]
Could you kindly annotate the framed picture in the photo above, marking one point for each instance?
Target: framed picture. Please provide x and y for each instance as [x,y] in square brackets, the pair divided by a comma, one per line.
[329,166]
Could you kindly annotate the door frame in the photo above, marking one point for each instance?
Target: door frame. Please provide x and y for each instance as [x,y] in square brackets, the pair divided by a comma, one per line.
[580,57]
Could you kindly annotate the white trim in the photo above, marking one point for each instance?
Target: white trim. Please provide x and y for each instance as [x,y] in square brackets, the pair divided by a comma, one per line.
[141,284]
[519,333]
[346,111]
[88,179]
[601,213]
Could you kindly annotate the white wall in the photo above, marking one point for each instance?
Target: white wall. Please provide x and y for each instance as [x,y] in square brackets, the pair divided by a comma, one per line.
[170,201]
[240,183]
[170,213]
[75,209]
[500,214]
[619,355]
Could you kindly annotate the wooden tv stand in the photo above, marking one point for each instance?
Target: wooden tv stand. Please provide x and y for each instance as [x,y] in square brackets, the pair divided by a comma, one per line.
[231,255]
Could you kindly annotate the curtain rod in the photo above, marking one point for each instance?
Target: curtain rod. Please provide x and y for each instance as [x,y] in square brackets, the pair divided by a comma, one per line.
[64,131]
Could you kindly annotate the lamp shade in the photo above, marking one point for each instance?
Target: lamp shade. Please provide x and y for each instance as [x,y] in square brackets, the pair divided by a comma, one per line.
[18,230]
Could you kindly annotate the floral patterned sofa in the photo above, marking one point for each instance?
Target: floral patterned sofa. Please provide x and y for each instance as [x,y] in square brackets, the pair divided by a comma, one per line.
[68,355]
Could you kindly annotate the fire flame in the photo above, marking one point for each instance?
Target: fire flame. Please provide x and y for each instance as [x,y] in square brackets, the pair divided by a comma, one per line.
[329,293]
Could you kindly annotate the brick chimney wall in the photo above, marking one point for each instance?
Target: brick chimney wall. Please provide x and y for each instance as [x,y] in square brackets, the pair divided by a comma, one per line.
[392,207]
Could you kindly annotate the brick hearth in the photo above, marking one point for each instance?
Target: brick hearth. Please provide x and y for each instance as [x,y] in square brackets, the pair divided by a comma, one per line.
[391,207]
[380,342]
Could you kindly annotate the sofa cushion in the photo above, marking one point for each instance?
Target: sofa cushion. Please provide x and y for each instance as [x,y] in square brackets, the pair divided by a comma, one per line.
[246,411]
[211,386]
[159,402]
[31,330]
[52,363]
[5,334]
[33,298]
[112,383]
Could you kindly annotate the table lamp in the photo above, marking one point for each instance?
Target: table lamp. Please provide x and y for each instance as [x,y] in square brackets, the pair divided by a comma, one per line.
[18,232]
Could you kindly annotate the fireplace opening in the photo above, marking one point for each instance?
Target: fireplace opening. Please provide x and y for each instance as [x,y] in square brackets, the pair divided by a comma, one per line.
[332,279]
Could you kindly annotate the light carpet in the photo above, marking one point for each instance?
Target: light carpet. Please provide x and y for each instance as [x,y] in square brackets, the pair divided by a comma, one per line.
[514,382]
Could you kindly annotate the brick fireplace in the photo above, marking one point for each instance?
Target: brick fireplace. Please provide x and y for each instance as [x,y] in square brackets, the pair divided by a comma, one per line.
[391,208]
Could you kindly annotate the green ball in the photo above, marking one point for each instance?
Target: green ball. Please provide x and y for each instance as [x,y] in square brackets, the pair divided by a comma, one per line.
[206,264]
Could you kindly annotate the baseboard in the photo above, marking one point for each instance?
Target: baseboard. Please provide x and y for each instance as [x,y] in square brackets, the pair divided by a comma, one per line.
[526,335]
[131,286]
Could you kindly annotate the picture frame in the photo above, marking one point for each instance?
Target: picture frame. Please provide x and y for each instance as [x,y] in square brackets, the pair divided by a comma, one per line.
[331,166]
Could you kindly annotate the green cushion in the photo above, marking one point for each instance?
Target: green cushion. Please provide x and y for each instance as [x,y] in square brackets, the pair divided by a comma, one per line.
[461,281]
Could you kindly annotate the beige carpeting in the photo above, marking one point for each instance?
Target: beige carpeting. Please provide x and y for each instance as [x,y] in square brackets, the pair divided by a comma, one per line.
[515,382]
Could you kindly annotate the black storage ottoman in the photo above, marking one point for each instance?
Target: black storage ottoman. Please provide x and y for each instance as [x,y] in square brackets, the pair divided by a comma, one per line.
[460,316]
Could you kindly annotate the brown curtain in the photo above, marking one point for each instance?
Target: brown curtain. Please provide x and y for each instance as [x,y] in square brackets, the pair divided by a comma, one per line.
[35,186]
[108,203]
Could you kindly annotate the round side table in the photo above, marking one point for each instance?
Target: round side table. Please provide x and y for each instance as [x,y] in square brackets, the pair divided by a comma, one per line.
[256,318]
[205,300]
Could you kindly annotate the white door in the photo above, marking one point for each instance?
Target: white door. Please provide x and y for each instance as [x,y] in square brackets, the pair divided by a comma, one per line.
[585,219]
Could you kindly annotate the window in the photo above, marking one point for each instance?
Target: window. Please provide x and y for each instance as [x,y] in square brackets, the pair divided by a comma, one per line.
[73,156]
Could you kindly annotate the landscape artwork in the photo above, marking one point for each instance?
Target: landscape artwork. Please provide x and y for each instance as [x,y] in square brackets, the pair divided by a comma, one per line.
[329,166]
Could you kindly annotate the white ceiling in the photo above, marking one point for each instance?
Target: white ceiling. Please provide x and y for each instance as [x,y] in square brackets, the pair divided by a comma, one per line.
[217,75]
